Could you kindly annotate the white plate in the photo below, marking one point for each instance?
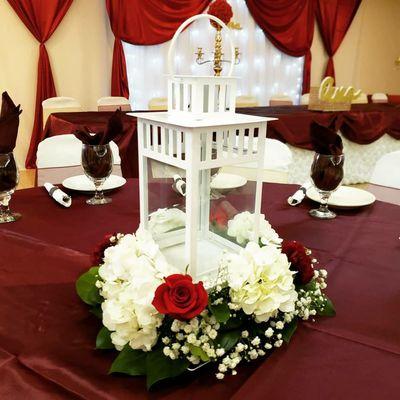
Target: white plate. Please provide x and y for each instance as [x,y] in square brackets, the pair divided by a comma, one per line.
[345,197]
[82,183]
[225,181]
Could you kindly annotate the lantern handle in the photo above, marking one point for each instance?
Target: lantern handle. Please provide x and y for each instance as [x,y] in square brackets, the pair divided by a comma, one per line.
[185,24]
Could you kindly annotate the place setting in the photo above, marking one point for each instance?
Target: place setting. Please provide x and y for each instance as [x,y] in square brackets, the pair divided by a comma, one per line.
[326,176]
[214,217]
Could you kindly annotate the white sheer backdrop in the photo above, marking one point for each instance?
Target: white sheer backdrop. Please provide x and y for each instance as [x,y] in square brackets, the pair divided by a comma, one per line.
[264,71]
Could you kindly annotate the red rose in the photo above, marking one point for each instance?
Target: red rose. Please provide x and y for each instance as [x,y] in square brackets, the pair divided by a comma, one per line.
[180,298]
[300,261]
[98,254]
[222,10]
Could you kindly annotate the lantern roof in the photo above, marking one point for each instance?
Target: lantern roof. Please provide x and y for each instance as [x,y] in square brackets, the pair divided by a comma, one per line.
[205,120]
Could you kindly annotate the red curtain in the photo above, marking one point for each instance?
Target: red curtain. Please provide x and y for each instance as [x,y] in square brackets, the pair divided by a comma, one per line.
[334,18]
[42,18]
[289,25]
[144,22]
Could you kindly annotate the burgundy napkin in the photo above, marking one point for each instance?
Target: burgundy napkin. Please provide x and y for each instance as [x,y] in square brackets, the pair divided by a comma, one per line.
[113,130]
[325,140]
[9,122]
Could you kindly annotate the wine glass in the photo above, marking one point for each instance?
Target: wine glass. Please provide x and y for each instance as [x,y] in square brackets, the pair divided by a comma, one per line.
[9,178]
[97,162]
[327,174]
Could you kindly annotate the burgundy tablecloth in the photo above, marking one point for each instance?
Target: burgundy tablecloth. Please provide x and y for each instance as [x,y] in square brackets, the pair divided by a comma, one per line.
[68,122]
[363,124]
[47,335]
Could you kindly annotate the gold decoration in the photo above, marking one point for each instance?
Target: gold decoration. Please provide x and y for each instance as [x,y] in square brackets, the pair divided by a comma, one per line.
[234,25]
[330,98]
[397,62]
[218,52]
[328,92]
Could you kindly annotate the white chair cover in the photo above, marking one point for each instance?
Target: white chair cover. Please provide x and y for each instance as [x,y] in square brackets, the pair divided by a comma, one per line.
[280,100]
[277,161]
[59,157]
[362,99]
[387,171]
[112,103]
[379,98]
[158,104]
[59,104]
[246,101]
[305,99]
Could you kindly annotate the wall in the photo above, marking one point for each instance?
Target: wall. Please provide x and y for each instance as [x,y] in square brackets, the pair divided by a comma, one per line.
[81,51]
[366,56]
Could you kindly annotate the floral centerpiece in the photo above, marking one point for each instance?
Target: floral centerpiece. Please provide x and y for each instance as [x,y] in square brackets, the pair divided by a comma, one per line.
[164,324]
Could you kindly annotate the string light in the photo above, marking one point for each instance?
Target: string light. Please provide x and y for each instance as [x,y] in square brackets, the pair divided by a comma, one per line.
[263,69]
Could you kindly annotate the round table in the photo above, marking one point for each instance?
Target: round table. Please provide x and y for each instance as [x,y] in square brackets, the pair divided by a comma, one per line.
[47,335]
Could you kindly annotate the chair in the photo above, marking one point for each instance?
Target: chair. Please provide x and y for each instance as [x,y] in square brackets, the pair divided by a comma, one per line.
[280,100]
[379,98]
[158,104]
[277,160]
[305,99]
[386,170]
[112,103]
[59,104]
[246,101]
[361,99]
[59,157]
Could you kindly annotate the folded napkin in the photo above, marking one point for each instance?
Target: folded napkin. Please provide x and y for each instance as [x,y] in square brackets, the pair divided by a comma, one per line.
[113,130]
[325,140]
[179,185]
[9,121]
[58,195]
[296,198]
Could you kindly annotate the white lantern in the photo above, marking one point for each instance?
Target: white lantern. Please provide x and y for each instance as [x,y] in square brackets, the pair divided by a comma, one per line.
[186,199]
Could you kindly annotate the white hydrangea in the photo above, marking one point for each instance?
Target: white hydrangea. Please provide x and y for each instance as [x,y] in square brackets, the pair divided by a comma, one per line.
[166,219]
[132,271]
[260,281]
[241,227]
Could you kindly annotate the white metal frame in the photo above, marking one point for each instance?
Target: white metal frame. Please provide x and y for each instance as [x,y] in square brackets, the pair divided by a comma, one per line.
[195,140]
[201,94]
[202,125]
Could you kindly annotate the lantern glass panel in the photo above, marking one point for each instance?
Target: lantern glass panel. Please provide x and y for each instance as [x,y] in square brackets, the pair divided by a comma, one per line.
[166,207]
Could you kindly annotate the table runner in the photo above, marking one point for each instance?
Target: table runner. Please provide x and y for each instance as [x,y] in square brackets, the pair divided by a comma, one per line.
[47,335]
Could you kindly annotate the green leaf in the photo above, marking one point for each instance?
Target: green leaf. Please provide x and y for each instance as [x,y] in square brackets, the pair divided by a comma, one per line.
[308,287]
[328,310]
[289,330]
[130,362]
[233,323]
[228,339]
[97,311]
[103,339]
[160,367]
[221,312]
[86,287]
[198,352]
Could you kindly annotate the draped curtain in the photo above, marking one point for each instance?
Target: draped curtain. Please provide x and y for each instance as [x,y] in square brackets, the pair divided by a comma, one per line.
[146,22]
[289,25]
[42,18]
[334,18]
[264,71]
